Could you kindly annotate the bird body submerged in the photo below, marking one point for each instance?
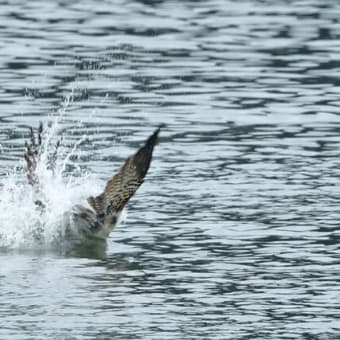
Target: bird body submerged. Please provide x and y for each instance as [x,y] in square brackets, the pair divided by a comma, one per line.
[83,223]
[97,217]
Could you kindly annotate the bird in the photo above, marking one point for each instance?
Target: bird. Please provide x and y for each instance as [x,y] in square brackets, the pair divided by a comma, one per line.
[102,214]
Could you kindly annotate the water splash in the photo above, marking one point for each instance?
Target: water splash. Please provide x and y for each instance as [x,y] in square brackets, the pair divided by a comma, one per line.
[22,222]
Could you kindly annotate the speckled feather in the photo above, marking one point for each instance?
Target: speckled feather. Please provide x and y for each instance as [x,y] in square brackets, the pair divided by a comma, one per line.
[122,186]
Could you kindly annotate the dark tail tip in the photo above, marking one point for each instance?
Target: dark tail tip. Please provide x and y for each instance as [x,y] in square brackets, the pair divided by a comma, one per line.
[152,140]
[144,154]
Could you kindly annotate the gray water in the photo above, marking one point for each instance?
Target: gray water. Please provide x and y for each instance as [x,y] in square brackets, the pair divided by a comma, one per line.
[235,232]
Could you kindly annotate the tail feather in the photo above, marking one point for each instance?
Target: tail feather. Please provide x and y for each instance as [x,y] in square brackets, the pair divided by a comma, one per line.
[143,156]
[122,186]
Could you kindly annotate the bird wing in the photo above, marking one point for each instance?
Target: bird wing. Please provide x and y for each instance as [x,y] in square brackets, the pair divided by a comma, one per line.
[121,187]
[32,155]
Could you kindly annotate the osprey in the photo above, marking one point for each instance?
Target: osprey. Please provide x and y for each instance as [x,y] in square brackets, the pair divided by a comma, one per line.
[99,219]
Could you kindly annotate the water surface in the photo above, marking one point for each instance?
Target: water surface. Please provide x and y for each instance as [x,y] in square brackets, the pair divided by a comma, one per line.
[235,233]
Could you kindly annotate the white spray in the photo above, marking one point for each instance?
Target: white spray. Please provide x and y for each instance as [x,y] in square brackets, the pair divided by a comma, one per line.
[22,222]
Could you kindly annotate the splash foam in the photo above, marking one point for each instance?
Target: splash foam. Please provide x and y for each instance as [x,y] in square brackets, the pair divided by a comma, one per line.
[22,222]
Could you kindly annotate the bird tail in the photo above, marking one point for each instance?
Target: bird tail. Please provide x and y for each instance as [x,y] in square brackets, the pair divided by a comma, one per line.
[122,186]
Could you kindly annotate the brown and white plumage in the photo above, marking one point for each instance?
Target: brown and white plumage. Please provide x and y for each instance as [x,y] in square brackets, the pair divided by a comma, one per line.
[121,187]
[32,155]
[100,218]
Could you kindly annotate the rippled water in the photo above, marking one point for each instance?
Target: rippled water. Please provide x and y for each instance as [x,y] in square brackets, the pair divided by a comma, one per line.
[235,233]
